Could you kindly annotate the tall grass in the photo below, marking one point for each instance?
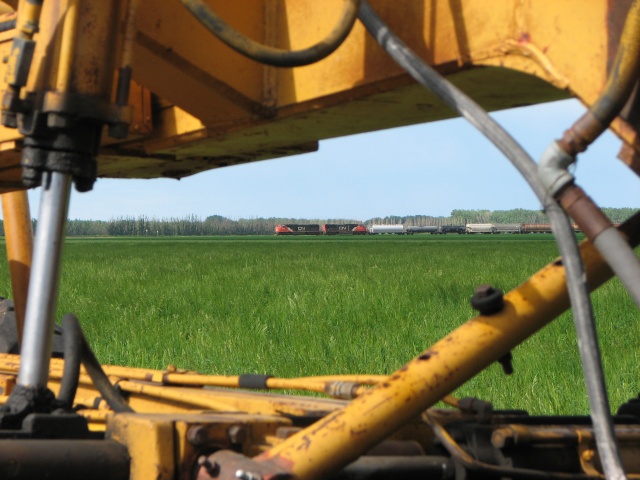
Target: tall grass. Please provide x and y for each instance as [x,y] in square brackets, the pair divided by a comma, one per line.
[305,306]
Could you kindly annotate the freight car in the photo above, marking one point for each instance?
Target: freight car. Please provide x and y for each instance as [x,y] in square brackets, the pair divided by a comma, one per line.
[393,229]
[425,229]
[536,228]
[459,229]
[480,228]
[508,228]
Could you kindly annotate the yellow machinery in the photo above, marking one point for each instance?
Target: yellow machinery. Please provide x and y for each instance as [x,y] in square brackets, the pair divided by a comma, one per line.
[170,88]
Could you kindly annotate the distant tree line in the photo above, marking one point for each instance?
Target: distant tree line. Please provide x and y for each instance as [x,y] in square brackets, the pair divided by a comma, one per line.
[193,225]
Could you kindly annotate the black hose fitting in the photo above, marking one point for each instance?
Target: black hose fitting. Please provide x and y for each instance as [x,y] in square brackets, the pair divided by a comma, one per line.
[487,300]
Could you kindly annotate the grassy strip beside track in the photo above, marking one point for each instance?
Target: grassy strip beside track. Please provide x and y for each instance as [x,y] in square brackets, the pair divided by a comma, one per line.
[292,306]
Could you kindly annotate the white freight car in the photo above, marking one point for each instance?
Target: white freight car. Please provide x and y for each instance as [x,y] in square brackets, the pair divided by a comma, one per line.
[481,228]
[376,229]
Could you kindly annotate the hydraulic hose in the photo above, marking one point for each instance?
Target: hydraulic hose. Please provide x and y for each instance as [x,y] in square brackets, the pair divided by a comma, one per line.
[576,278]
[72,359]
[269,55]
[94,369]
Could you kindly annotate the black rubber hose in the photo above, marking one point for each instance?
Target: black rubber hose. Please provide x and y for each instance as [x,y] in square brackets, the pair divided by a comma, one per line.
[269,55]
[72,342]
[561,226]
[93,367]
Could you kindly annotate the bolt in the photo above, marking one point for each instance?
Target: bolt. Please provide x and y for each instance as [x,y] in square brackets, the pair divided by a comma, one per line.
[588,455]
[57,120]
[502,438]
[244,475]
[505,361]
[211,467]
[197,435]
[487,300]
[237,434]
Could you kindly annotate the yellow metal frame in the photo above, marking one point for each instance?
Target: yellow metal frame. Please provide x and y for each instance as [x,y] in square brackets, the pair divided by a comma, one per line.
[213,108]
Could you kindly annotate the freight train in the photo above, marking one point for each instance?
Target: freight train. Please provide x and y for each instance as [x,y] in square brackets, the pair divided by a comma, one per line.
[399,229]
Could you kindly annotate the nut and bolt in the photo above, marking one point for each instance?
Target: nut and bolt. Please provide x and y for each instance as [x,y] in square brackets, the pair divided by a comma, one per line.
[237,434]
[244,475]
[588,455]
[197,435]
[211,467]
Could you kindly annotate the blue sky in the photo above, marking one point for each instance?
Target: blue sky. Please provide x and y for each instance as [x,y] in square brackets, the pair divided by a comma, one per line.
[427,169]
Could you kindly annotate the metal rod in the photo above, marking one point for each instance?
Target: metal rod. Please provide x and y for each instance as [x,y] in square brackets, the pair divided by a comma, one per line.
[43,285]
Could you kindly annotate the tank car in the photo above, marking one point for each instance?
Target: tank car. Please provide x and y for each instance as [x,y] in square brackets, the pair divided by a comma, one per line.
[459,229]
[377,229]
[421,229]
[536,228]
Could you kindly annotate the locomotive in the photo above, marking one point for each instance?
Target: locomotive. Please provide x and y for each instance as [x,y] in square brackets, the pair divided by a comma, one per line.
[327,229]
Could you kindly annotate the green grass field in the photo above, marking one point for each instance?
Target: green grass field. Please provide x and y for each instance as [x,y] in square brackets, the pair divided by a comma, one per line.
[291,306]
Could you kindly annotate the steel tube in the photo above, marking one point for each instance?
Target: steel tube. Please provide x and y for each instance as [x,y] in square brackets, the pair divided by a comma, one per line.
[43,284]
[407,468]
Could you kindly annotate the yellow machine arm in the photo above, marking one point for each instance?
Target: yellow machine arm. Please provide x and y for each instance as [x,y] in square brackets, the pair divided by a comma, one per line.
[170,88]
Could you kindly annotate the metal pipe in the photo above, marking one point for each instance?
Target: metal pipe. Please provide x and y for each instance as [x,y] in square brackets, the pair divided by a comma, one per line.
[60,458]
[43,284]
[19,239]
[407,468]
[605,237]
